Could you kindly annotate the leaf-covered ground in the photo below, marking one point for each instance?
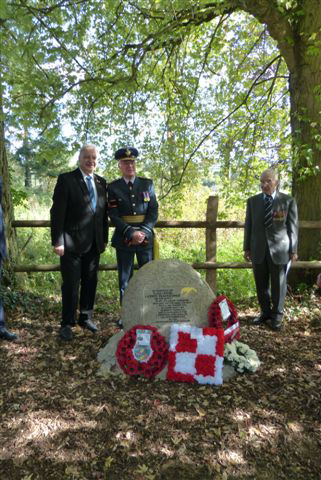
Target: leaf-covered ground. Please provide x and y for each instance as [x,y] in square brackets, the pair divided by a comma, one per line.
[60,420]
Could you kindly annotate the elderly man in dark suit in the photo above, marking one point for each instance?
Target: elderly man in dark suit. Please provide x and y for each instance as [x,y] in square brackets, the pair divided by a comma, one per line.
[4,333]
[133,210]
[79,233]
[270,243]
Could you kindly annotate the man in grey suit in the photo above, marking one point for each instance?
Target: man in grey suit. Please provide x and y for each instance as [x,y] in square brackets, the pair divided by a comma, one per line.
[270,243]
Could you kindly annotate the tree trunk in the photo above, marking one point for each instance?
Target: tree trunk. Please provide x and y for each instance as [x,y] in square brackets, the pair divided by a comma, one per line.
[299,42]
[305,123]
[26,158]
[305,89]
[7,205]
[27,175]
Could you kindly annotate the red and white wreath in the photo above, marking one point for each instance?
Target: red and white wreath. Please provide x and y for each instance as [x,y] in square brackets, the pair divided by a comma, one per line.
[196,354]
[222,314]
[142,351]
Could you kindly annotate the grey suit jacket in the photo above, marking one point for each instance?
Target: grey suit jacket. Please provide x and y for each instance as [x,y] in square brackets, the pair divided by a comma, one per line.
[281,238]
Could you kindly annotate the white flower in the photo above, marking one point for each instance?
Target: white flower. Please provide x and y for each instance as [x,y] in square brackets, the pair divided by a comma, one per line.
[242,348]
[241,356]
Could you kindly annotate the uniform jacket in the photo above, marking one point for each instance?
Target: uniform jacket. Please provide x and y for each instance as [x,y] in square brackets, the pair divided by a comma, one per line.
[281,237]
[3,249]
[122,201]
[74,223]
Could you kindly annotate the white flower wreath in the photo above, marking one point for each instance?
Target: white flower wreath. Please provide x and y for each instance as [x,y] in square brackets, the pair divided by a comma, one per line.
[241,356]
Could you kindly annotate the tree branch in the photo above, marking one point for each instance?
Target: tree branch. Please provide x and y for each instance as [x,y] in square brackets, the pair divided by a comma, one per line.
[266,12]
[205,137]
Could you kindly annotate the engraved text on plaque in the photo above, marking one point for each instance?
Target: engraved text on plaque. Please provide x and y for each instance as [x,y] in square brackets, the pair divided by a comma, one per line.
[167,305]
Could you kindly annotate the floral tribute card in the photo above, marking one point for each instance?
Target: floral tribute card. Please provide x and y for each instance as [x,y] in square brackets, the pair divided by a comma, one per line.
[196,354]
[223,314]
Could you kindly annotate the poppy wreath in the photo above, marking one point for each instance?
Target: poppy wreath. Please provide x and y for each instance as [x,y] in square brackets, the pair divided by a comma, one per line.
[127,360]
[196,354]
[215,320]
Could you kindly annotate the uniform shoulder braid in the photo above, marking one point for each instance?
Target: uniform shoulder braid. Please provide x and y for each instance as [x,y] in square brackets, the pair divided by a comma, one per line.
[114,182]
[144,179]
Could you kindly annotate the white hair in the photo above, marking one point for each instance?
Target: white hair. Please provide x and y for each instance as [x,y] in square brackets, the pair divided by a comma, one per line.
[85,148]
[271,172]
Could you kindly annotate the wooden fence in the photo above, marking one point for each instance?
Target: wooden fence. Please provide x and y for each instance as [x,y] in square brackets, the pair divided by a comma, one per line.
[210,224]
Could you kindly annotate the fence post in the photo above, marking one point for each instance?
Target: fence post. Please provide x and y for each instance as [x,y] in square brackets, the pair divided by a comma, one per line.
[211,217]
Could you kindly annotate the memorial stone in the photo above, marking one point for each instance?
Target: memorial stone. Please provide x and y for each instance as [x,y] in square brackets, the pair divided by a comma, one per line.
[160,293]
[163,292]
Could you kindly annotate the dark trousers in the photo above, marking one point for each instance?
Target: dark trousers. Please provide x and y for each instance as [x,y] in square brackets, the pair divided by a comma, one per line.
[125,265]
[2,323]
[78,270]
[270,280]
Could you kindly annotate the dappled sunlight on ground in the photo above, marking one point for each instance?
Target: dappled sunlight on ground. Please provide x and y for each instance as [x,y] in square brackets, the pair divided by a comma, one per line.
[60,420]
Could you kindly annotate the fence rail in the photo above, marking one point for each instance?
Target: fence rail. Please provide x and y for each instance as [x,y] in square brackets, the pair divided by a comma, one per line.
[310,224]
[211,224]
[198,266]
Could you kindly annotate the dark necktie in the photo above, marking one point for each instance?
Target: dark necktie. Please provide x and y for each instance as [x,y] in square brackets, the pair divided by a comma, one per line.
[268,200]
[91,193]
[130,185]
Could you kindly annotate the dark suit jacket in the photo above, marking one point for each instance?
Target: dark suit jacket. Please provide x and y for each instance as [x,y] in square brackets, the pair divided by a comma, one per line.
[141,200]
[281,237]
[74,224]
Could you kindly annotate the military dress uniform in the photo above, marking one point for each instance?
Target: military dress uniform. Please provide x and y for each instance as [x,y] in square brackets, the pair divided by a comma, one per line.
[132,206]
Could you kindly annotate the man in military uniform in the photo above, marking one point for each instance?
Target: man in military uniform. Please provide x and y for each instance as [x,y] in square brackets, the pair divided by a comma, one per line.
[133,210]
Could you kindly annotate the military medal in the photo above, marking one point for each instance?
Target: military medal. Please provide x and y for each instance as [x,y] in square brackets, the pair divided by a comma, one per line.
[279,214]
[146,196]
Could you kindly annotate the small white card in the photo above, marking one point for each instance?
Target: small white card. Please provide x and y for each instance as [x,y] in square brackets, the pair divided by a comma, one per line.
[142,350]
[143,337]
[225,311]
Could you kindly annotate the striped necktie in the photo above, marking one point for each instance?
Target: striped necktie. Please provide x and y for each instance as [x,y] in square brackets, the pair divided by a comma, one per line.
[268,200]
[91,192]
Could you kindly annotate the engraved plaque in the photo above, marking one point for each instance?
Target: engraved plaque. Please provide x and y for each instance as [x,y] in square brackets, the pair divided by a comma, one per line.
[167,305]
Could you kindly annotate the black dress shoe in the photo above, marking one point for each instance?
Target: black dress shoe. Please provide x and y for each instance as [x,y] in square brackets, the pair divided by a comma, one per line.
[277,324]
[6,335]
[66,333]
[260,319]
[88,325]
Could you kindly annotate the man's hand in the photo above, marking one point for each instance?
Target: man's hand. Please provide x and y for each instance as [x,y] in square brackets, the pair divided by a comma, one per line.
[59,250]
[247,255]
[137,238]
[293,257]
